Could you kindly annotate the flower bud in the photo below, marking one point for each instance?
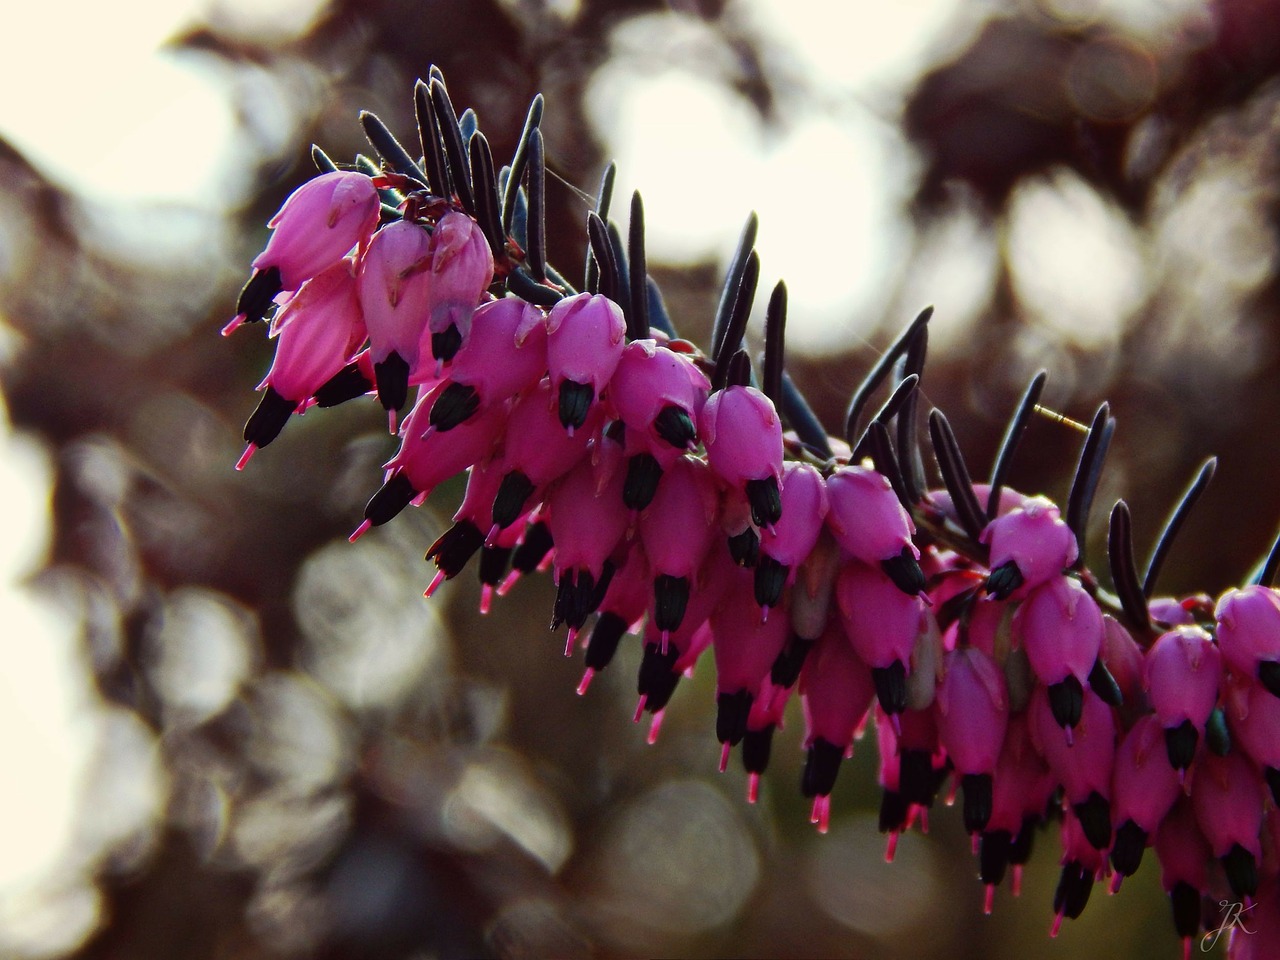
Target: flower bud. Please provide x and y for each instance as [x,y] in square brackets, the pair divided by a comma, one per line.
[743,438]
[1029,546]
[394,284]
[1249,633]
[461,271]
[871,525]
[585,339]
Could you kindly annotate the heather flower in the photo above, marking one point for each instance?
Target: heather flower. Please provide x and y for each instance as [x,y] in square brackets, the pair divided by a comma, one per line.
[1030,545]
[657,393]
[871,525]
[1083,766]
[585,339]
[973,711]
[394,284]
[1123,659]
[318,331]
[1249,633]
[765,717]
[1061,629]
[1082,864]
[1184,855]
[810,606]
[461,271]
[1227,796]
[913,767]
[317,226]
[1183,669]
[743,438]
[621,611]
[1022,786]
[792,538]
[460,542]
[882,623]
[1144,789]
[676,530]
[504,355]
[1254,717]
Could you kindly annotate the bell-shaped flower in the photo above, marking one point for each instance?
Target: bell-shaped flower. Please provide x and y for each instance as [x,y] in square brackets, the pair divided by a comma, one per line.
[658,394]
[586,334]
[1184,857]
[1254,718]
[973,711]
[882,623]
[871,525]
[459,543]
[785,545]
[1228,797]
[1143,789]
[318,332]
[621,611]
[677,530]
[765,717]
[1084,765]
[1021,790]
[743,438]
[1082,865]
[913,767]
[810,606]
[1123,658]
[394,283]
[1183,670]
[461,271]
[1249,633]
[1060,628]
[505,354]
[1030,545]
[1169,611]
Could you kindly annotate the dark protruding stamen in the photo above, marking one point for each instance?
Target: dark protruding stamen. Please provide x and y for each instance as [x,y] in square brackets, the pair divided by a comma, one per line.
[536,545]
[643,474]
[446,343]
[258,294]
[575,403]
[347,384]
[1187,913]
[576,599]
[266,422]
[904,570]
[786,666]
[1104,685]
[993,856]
[770,578]
[766,501]
[1021,845]
[756,747]
[513,493]
[454,404]
[977,801]
[1216,735]
[603,643]
[392,379]
[674,425]
[394,495]
[1094,814]
[1242,871]
[671,597]
[1003,580]
[894,811]
[891,686]
[493,564]
[1180,743]
[1269,675]
[1066,700]
[455,547]
[658,677]
[821,767]
[1074,886]
[744,547]
[732,711]
[1126,853]
[917,780]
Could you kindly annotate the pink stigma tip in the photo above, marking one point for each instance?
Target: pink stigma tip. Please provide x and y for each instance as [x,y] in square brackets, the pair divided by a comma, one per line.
[896,722]
[360,531]
[586,681]
[1016,883]
[1057,925]
[764,613]
[1186,948]
[989,901]
[891,848]
[655,726]
[973,844]
[821,814]
[491,537]
[249,451]
[1117,878]
[391,422]
[233,324]
[505,586]
[486,598]
[753,787]
[568,642]
[666,636]
[635,718]
[1071,737]
[724,756]
[549,559]
[438,579]
[306,405]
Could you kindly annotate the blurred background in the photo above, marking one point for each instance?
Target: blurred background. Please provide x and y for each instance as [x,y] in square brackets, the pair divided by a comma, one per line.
[226,733]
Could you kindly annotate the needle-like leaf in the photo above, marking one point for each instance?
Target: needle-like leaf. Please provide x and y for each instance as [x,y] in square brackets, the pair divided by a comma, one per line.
[1012,435]
[879,372]
[1171,527]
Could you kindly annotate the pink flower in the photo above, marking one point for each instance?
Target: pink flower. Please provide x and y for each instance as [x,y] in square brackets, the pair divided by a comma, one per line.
[1061,630]
[1184,856]
[973,711]
[461,271]
[1254,716]
[1084,765]
[658,394]
[1021,790]
[1227,796]
[871,525]
[1144,789]
[1183,670]
[882,623]
[784,546]
[1029,546]
[585,339]
[394,284]
[743,438]
[622,610]
[1249,633]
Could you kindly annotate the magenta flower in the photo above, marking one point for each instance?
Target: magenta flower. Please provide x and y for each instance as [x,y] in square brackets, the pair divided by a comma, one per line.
[1083,766]
[1254,717]
[973,711]
[657,393]
[743,438]
[1249,633]
[505,354]
[1082,865]
[882,623]
[1030,545]
[459,543]
[317,226]
[394,284]
[585,339]
[1123,659]
[1061,629]
[766,716]
[810,606]
[1183,669]
[1144,789]
[1184,856]
[871,525]
[461,271]
[1228,798]
[621,611]
[785,546]
[1021,790]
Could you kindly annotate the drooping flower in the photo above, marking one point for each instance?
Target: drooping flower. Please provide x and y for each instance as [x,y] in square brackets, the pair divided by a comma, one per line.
[1249,633]
[871,525]
[785,545]
[1029,546]
[585,337]
[1183,670]
[743,438]
[973,711]
[461,271]
[882,623]
[1060,628]
[1144,789]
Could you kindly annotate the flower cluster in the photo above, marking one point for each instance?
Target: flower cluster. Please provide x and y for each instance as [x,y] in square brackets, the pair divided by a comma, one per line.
[677,498]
